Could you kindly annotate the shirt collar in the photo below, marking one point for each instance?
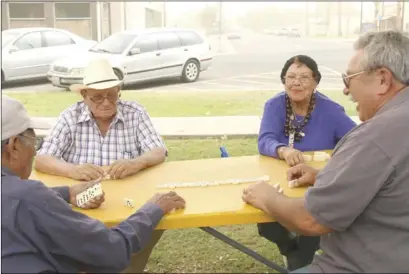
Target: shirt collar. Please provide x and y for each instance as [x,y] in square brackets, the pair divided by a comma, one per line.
[400,98]
[85,114]
[7,171]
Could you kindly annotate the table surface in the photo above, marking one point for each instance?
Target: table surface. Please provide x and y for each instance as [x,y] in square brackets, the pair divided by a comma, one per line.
[205,206]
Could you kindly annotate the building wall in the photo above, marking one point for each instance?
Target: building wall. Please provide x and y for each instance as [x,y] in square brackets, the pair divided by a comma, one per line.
[136,15]
[94,20]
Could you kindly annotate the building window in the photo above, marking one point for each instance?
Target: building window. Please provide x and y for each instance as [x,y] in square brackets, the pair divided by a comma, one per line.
[72,10]
[74,17]
[26,11]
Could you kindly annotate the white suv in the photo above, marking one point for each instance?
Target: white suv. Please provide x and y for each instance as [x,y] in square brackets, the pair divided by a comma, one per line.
[141,55]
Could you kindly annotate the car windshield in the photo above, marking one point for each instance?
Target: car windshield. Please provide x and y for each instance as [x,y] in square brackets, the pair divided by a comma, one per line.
[115,44]
[7,37]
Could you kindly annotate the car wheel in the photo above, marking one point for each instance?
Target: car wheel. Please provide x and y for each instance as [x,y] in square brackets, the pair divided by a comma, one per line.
[120,76]
[191,71]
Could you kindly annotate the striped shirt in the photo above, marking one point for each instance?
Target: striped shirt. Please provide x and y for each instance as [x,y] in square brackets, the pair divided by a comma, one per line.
[76,138]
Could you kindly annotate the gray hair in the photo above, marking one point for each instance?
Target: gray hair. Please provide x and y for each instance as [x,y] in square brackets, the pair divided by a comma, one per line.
[388,49]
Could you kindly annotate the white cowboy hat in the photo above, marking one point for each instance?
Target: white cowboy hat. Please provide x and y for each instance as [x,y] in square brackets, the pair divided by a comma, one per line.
[99,74]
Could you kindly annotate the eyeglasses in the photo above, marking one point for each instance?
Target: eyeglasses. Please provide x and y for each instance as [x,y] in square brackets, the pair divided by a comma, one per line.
[291,79]
[347,78]
[38,141]
[99,99]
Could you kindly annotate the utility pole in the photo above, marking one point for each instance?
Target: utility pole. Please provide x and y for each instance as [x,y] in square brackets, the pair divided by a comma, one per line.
[399,22]
[403,17]
[220,24]
[361,20]
[339,19]
[164,14]
[307,9]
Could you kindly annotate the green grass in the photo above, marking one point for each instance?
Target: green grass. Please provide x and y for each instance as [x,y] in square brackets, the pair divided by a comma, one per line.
[193,250]
[172,104]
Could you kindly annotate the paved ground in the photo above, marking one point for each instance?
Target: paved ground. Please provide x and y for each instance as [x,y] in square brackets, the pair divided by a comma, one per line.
[251,63]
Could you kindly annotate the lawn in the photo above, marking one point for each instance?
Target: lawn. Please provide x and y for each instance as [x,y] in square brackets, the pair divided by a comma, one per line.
[173,104]
[193,250]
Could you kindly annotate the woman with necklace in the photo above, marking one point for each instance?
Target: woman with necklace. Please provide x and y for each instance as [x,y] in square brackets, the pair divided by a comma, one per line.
[299,119]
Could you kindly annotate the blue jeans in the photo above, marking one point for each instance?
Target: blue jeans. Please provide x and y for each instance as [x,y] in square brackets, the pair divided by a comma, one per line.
[301,270]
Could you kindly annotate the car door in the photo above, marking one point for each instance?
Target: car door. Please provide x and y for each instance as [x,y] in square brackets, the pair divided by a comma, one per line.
[25,60]
[144,60]
[58,45]
[170,49]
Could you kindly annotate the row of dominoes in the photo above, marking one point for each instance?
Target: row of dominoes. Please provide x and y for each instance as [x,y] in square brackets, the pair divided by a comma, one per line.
[318,156]
[215,183]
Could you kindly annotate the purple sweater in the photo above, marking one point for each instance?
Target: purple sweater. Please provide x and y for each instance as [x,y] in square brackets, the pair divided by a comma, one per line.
[328,124]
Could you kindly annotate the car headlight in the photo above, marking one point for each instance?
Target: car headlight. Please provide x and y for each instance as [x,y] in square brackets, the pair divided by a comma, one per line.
[77,71]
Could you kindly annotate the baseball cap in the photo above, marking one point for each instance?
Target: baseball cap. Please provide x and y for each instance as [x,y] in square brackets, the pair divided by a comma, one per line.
[15,119]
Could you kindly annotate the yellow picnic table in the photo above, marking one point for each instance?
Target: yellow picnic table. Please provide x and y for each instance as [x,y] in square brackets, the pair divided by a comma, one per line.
[205,206]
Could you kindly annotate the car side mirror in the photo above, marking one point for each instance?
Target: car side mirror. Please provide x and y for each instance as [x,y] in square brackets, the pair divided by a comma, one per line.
[13,49]
[134,51]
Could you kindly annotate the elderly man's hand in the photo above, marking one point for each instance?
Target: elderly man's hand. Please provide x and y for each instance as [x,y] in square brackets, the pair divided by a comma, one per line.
[168,201]
[301,175]
[86,172]
[258,194]
[122,168]
[79,188]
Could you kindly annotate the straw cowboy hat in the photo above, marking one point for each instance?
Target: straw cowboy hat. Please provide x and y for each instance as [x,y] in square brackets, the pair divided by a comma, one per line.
[99,74]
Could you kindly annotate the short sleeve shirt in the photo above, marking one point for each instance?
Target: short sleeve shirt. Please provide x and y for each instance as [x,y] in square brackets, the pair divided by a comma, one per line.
[363,195]
[76,139]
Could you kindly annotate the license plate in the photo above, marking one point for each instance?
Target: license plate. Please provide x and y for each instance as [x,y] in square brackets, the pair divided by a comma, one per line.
[55,80]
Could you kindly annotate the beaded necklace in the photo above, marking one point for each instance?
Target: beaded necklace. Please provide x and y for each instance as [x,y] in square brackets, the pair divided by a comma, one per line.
[294,132]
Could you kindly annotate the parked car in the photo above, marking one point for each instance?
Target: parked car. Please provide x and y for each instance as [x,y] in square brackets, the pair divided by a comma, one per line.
[294,33]
[270,31]
[283,32]
[141,55]
[28,52]
[233,35]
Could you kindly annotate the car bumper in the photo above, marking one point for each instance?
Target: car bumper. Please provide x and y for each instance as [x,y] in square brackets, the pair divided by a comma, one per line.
[205,63]
[63,80]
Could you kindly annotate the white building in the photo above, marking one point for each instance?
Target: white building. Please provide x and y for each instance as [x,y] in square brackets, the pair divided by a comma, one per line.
[93,20]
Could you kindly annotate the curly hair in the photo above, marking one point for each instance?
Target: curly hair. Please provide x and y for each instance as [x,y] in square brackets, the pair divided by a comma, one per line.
[302,60]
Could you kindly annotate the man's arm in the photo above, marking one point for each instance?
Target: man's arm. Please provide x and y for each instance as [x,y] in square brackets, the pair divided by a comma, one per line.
[63,191]
[52,165]
[292,214]
[90,245]
[150,158]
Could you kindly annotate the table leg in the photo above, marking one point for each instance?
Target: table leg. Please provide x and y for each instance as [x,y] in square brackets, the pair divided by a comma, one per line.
[243,249]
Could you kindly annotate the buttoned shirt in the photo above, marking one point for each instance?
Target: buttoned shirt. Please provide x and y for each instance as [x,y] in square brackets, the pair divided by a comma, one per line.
[41,233]
[76,138]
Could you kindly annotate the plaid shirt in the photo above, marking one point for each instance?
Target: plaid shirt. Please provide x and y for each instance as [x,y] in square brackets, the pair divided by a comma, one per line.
[77,139]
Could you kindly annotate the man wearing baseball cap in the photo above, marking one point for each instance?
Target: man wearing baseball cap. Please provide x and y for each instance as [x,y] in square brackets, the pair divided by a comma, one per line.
[40,231]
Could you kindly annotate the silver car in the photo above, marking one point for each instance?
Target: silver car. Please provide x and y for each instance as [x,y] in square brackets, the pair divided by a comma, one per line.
[141,55]
[28,52]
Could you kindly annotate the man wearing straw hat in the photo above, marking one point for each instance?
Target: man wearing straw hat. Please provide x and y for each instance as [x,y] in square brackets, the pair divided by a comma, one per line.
[103,136]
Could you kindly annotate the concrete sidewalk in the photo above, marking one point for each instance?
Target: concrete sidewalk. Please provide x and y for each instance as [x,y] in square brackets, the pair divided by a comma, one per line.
[199,127]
